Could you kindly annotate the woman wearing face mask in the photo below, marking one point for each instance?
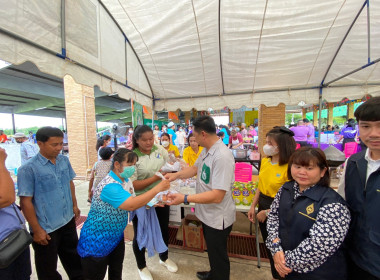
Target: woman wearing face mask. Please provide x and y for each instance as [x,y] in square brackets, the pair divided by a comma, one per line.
[101,242]
[279,147]
[165,142]
[151,159]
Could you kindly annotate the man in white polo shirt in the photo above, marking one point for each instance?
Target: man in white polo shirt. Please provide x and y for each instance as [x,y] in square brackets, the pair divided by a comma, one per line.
[215,207]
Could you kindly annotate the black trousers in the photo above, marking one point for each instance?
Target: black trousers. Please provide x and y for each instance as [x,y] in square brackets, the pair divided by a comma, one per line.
[303,143]
[163,219]
[20,269]
[63,244]
[355,272]
[96,268]
[264,204]
[216,241]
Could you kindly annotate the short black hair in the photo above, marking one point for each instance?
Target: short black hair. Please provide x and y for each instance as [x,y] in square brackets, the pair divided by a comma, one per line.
[123,154]
[204,123]
[351,123]
[138,132]
[220,134]
[306,155]
[106,153]
[44,133]
[369,110]
[306,120]
[106,137]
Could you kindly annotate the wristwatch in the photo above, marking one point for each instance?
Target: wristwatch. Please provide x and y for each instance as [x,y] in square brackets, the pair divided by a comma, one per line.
[185,200]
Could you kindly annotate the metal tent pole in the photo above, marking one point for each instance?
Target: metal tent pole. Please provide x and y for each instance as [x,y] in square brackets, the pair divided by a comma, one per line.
[320,116]
[13,124]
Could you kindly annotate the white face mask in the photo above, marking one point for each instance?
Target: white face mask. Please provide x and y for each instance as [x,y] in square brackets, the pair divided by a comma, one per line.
[180,130]
[165,143]
[270,150]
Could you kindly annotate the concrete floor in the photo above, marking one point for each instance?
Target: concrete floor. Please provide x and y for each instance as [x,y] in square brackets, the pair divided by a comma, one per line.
[188,262]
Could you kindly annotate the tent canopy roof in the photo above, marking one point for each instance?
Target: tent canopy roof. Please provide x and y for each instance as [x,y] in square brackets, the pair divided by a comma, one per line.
[202,54]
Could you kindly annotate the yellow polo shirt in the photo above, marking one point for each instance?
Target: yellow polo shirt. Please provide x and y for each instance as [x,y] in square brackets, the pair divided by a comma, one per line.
[189,156]
[272,177]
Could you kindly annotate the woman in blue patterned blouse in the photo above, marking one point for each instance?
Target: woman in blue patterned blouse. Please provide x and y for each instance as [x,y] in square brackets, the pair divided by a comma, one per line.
[101,242]
[308,222]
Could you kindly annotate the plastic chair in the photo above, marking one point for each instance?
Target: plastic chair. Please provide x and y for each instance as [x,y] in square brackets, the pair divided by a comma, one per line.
[243,172]
[350,148]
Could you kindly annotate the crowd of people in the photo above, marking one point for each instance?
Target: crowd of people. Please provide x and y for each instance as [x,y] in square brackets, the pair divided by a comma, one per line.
[310,230]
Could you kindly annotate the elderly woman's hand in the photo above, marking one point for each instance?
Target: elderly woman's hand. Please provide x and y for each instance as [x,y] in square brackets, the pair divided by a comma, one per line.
[279,264]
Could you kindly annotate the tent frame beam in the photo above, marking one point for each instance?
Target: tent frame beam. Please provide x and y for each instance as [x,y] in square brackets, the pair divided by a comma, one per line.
[341,43]
[271,90]
[128,42]
[369,62]
[352,72]
[37,46]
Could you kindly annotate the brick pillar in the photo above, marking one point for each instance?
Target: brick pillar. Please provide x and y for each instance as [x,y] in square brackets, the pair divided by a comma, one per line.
[268,118]
[350,110]
[315,116]
[187,117]
[330,114]
[303,113]
[81,125]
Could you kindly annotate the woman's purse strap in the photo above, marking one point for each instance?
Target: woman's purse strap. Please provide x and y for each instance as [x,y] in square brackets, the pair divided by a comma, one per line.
[18,216]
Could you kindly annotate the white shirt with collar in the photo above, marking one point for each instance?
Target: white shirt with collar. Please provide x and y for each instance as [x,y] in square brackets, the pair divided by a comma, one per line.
[372,166]
[216,171]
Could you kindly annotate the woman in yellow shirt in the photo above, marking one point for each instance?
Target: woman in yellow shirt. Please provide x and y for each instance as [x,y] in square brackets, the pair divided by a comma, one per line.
[279,147]
[165,142]
[191,153]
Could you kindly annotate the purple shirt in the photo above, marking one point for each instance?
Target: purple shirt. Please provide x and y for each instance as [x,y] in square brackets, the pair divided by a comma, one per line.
[311,132]
[348,132]
[300,132]
[9,221]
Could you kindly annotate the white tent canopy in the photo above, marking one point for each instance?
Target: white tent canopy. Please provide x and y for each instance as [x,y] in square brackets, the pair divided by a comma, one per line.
[201,54]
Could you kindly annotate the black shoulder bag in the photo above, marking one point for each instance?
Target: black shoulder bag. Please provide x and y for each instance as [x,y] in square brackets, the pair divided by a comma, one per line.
[14,244]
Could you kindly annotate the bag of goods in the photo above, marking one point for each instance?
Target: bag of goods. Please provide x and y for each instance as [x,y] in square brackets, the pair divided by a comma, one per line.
[246,195]
[237,193]
[254,186]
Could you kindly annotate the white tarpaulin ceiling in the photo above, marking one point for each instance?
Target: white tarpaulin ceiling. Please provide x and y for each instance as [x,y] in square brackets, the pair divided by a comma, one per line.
[200,54]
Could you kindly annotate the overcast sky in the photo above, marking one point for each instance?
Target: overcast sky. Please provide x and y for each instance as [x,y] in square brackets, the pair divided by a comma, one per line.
[25,121]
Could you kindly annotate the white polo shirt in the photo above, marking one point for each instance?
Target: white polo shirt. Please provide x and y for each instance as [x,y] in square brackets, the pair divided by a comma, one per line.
[216,171]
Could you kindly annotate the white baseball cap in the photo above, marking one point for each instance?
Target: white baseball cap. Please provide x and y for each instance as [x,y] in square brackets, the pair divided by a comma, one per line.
[19,135]
[170,124]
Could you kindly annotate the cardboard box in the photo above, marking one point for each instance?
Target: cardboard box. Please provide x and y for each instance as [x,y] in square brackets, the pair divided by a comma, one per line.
[193,235]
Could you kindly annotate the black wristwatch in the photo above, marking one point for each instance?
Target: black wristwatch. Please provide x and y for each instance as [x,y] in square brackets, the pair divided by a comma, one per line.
[185,200]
